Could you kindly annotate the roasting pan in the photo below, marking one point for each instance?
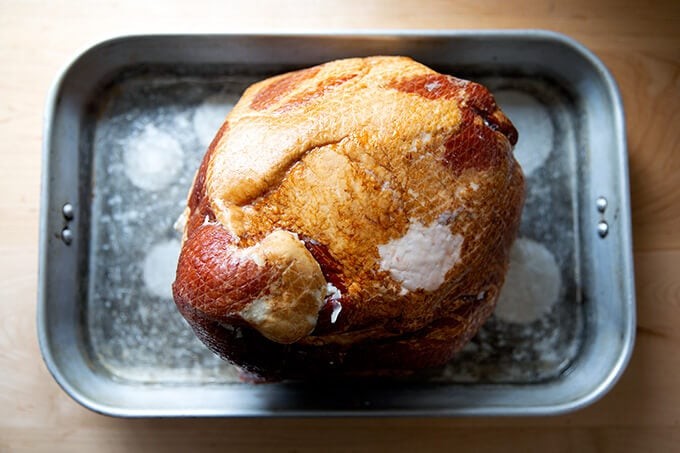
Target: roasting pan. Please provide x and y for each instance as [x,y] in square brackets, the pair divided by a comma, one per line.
[126,124]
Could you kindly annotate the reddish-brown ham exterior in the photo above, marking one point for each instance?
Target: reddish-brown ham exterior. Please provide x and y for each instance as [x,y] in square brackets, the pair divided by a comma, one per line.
[311,242]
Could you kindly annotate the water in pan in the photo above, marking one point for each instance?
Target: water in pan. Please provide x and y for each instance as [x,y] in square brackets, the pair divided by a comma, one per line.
[149,138]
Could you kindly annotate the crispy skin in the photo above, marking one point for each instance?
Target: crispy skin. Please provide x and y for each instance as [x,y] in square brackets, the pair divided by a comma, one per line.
[343,158]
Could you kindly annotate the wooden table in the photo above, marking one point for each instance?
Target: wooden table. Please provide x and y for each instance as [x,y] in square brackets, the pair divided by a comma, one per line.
[639,42]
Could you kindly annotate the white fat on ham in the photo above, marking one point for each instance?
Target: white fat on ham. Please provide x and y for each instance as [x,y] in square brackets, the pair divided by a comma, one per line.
[422,257]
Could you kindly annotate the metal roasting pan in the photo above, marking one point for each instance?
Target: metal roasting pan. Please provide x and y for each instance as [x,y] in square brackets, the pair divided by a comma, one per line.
[125,128]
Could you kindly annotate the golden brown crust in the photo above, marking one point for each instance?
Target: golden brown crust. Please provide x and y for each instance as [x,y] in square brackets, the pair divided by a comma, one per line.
[359,160]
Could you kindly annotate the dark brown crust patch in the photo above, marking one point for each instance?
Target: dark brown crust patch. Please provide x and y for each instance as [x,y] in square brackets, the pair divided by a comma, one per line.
[198,216]
[485,137]
[321,88]
[277,89]
[431,86]
[330,267]
[213,280]
[471,95]
[483,103]
[475,146]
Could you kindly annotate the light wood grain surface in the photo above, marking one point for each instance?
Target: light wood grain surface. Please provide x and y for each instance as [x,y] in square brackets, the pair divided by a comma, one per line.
[639,42]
